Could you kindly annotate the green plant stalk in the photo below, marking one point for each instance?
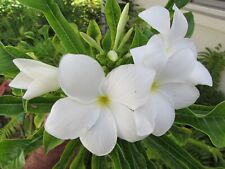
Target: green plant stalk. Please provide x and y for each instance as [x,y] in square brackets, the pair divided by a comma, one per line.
[69,37]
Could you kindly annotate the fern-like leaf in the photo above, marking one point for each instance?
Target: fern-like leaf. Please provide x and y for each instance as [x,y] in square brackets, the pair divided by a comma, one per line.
[11,127]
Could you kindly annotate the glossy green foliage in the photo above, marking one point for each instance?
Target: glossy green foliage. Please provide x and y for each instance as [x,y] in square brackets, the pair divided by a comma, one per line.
[211,123]
[179,3]
[11,105]
[48,43]
[50,142]
[112,13]
[70,38]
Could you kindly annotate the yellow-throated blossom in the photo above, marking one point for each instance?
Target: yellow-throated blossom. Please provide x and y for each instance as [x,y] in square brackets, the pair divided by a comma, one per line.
[98,109]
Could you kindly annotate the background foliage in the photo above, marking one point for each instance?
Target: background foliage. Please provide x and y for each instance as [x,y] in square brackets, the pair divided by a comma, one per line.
[197,139]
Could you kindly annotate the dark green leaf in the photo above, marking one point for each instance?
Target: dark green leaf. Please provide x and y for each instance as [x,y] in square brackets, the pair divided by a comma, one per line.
[112,13]
[124,162]
[17,163]
[106,42]
[98,162]
[171,154]
[179,3]
[180,134]
[132,154]
[78,162]
[11,150]
[68,153]
[191,24]
[94,31]
[50,142]
[139,39]
[16,53]
[114,156]
[7,67]
[11,105]
[212,124]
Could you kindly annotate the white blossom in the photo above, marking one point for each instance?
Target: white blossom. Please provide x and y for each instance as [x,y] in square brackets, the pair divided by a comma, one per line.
[98,109]
[36,77]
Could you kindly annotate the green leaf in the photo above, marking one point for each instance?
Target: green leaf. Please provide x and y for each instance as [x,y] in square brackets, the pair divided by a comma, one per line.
[91,42]
[17,163]
[11,127]
[78,162]
[7,68]
[114,156]
[139,39]
[191,24]
[94,31]
[39,120]
[106,42]
[98,162]
[112,14]
[11,105]
[212,124]
[16,53]
[50,142]
[70,38]
[11,150]
[132,154]
[66,156]
[171,154]
[180,134]
[37,4]
[179,3]
[124,162]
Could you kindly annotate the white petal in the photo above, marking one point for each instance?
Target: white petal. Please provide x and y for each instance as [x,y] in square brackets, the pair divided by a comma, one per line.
[129,85]
[178,67]
[150,55]
[21,81]
[80,77]
[35,69]
[139,54]
[200,75]
[181,95]
[180,25]
[70,119]
[101,138]
[184,44]
[158,17]
[165,115]
[41,86]
[126,127]
[145,118]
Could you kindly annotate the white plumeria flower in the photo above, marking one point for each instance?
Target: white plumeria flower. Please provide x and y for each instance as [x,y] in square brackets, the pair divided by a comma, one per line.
[36,77]
[171,38]
[98,108]
[173,88]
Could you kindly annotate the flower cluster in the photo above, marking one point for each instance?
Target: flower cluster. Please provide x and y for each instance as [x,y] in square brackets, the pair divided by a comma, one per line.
[133,100]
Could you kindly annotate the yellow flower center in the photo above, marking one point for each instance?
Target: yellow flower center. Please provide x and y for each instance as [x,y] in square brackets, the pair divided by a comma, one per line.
[103,101]
[155,86]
